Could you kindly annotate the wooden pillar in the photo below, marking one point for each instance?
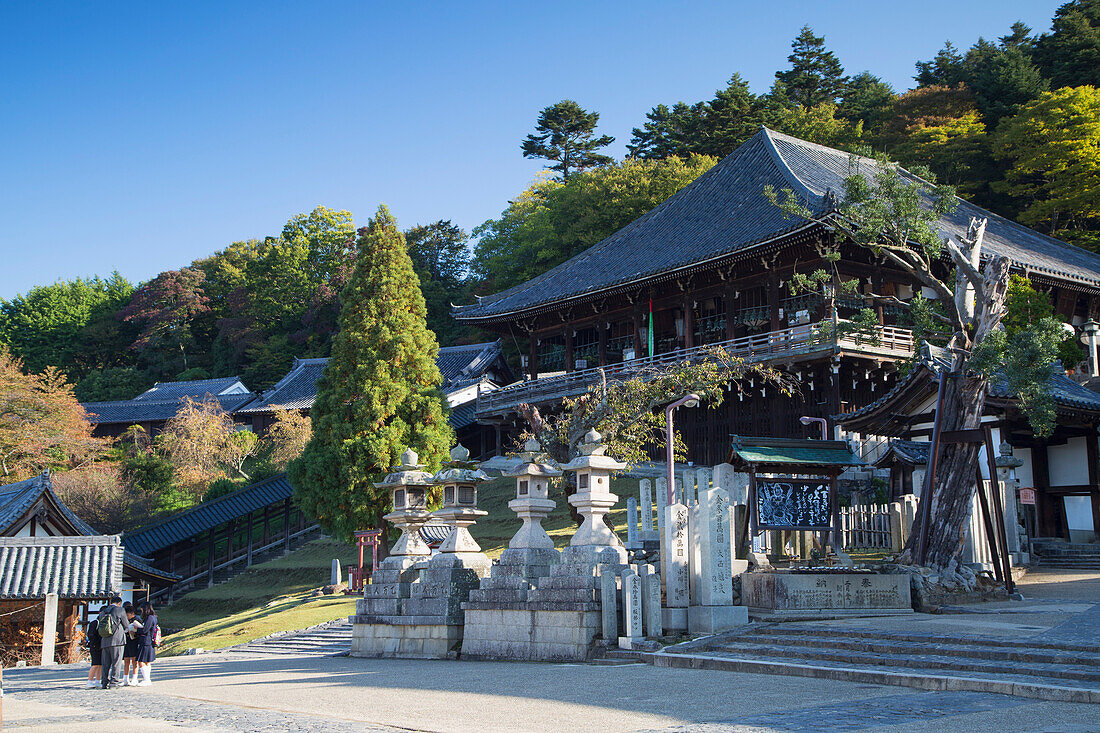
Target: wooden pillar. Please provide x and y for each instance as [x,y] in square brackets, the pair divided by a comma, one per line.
[210,562]
[1047,504]
[533,356]
[49,628]
[689,322]
[569,362]
[250,523]
[729,302]
[773,300]
[267,521]
[876,288]
[286,525]
[1093,453]
[834,390]
[602,327]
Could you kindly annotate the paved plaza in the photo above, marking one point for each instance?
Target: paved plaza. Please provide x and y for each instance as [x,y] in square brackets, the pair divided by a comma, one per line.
[228,692]
[248,692]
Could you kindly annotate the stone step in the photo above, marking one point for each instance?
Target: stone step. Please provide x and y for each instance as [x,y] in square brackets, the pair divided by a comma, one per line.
[770,662]
[323,641]
[968,640]
[902,659]
[1022,653]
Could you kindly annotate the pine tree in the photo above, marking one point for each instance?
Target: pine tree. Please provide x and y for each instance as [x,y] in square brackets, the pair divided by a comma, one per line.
[567,136]
[815,75]
[379,393]
[1070,54]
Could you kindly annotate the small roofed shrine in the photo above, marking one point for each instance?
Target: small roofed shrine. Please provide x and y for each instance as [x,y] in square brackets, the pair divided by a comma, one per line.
[792,482]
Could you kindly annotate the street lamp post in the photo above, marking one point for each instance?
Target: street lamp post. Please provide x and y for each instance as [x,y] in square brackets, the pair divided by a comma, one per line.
[806,420]
[690,400]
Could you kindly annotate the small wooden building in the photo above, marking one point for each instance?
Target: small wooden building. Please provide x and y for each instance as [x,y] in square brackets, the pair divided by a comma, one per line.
[32,509]
[77,570]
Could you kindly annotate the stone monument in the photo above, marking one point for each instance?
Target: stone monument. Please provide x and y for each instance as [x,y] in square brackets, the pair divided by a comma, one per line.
[674,568]
[712,609]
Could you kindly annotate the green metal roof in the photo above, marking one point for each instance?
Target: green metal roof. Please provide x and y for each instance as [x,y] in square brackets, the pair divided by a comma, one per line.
[760,452]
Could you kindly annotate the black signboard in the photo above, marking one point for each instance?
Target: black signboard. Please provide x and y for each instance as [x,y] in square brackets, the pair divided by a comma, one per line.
[789,503]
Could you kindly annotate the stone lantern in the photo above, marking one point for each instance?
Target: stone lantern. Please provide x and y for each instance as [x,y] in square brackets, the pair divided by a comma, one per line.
[594,499]
[408,486]
[532,504]
[459,478]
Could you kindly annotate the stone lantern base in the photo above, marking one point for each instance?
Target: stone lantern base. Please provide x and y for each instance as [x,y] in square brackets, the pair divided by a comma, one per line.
[424,619]
[559,618]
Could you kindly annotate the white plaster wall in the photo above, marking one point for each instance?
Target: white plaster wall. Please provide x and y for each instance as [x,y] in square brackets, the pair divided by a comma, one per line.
[1079,512]
[1068,464]
[1024,473]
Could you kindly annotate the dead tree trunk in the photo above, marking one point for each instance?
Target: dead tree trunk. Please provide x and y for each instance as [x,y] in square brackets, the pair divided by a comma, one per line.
[955,482]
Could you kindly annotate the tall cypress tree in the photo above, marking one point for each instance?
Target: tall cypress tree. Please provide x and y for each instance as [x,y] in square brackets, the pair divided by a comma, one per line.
[379,393]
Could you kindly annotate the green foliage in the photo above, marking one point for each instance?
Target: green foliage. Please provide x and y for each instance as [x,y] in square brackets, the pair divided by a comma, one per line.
[566,134]
[45,327]
[1025,307]
[629,414]
[869,101]
[1070,54]
[165,309]
[441,259]
[553,220]
[1052,145]
[715,127]
[112,383]
[380,391]
[149,472]
[816,74]
[220,488]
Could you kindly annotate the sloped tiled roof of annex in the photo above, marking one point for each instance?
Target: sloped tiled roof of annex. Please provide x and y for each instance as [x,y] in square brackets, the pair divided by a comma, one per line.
[134,411]
[209,514]
[196,388]
[724,211]
[932,359]
[298,389]
[72,567]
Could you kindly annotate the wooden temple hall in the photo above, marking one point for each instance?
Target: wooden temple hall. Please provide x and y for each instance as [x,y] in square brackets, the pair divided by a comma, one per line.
[713,265]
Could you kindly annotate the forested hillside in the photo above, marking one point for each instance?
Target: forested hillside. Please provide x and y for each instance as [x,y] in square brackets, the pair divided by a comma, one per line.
[1013,122]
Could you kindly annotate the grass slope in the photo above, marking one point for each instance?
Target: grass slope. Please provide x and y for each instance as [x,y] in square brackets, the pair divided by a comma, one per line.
[275,596]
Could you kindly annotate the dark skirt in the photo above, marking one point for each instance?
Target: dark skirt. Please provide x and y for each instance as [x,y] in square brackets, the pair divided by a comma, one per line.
[131,648]
[97,656]
[146,653]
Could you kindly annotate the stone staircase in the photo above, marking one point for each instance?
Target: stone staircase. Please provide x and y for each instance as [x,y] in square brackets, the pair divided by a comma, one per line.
[1023,667]
[1067,555]
[327,640]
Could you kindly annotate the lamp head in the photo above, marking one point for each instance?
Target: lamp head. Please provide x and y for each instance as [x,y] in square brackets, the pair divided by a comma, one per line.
[692,400]
[805,420]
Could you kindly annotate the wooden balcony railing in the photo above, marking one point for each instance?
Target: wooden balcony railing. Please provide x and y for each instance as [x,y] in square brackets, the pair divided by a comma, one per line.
[886,341]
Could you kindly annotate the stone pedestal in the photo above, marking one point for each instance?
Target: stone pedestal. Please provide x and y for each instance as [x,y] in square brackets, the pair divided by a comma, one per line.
[809,595]
[715,619]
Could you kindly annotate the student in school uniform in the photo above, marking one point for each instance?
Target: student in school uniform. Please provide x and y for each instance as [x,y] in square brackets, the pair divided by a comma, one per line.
[95,651]
[129,654]
[146,638]
[112,619]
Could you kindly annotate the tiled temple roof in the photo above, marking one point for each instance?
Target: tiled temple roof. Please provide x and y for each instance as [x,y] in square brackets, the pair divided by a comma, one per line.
[724,212]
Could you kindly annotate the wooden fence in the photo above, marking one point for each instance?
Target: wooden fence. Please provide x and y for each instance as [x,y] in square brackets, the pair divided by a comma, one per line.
[866,526]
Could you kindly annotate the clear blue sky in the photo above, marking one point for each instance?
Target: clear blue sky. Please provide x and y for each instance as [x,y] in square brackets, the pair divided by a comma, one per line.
[140,136]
